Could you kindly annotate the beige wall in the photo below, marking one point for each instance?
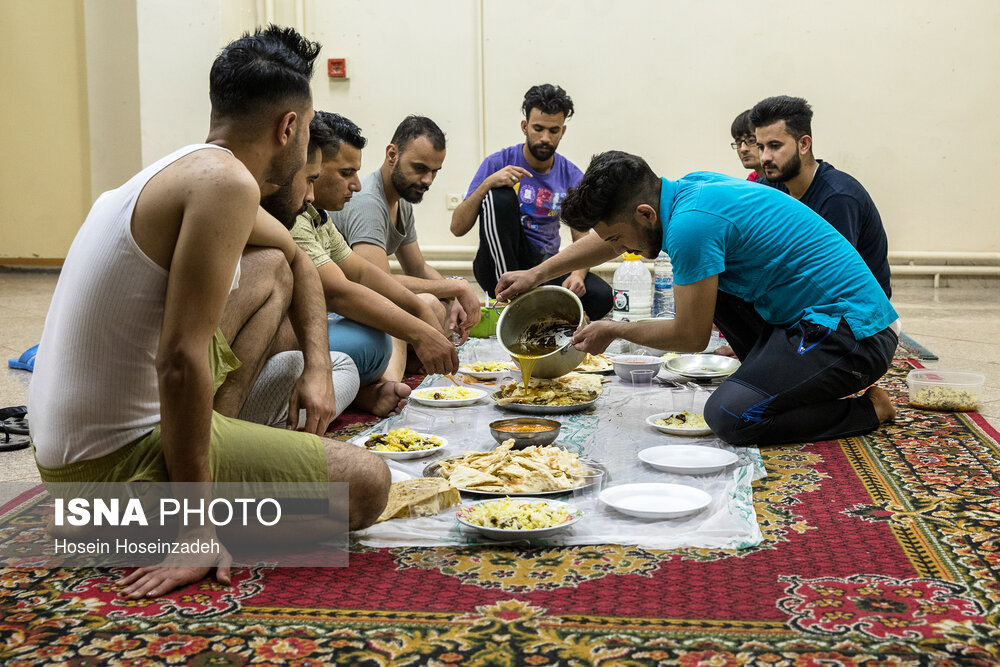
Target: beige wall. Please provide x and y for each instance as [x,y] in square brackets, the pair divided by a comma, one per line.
[178,40]
[905,91]
[45,165]
[112,41]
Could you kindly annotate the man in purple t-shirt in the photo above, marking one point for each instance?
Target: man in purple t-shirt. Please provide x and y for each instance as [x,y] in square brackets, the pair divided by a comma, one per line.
[517,194]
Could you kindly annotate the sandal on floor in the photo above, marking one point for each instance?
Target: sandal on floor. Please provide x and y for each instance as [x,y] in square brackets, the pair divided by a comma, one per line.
[26,362]
[14,428]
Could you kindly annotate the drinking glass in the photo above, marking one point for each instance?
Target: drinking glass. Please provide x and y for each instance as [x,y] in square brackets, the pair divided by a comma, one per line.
[683,399]
[642,379]
[590,484]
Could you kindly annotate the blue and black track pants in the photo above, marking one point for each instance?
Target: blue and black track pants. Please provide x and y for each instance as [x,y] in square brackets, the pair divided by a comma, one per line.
[792,383]
[503,247]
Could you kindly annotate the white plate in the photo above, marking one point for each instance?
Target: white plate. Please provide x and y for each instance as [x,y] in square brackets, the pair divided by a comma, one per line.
[483,375]
[651,420]
[401,456]
[688,459]
[575,514]
[655,500]
[444,402]
[398,474]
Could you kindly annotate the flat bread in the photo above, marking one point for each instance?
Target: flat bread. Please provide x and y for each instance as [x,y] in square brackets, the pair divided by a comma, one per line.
[529,470]
[595,363]
[552,392]
[584,381]
[423,496]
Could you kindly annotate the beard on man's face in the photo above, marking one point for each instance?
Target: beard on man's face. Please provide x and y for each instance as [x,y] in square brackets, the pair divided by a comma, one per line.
[654,241]
[411,192]
[787,171]
[541,152]
[283,206]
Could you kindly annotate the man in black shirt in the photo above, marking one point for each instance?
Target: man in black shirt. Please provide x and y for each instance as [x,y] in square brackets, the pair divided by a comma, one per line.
[783,129]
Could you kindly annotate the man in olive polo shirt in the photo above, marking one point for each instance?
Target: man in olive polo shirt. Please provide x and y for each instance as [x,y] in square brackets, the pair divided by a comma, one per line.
[367,307]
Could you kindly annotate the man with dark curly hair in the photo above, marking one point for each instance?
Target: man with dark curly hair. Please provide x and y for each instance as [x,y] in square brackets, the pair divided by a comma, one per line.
[517,194]
[163,319]
[797,303]
[785,150]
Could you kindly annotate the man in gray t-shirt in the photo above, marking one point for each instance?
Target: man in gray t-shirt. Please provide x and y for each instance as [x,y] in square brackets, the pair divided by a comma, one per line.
[366,218]
[378,221]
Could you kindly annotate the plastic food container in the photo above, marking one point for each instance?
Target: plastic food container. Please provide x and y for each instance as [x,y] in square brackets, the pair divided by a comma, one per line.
[951,391]
[487,325]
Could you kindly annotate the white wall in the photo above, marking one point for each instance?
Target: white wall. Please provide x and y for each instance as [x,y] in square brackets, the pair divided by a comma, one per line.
[178,40]
[906,92]
[422,60]
[112,44]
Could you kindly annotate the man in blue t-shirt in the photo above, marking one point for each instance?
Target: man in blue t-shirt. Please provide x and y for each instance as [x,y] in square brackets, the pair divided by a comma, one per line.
[517,194]
[797,303]
[783,127]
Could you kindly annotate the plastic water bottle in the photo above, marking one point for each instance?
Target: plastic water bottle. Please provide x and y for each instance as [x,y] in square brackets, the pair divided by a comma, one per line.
[663,287]
[633,289]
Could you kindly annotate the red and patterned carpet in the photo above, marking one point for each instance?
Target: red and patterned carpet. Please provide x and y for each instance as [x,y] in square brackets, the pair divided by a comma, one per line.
[878,550]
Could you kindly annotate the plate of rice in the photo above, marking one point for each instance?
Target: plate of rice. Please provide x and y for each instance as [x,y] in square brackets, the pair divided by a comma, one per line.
[401,444]
[451,396]
[518,518]
[485,370]
[679,423]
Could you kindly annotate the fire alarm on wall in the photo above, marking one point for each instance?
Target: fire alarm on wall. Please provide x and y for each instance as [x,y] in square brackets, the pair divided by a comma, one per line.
[336,68]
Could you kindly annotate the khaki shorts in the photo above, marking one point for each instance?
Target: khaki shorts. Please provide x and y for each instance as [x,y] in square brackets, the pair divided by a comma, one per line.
[238,451]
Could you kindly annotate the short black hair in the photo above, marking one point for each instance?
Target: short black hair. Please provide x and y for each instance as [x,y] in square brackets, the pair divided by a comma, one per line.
[795,111]
[414,127]
[741,127]
[328,131]
[613,185]
[547,99]
[270,66]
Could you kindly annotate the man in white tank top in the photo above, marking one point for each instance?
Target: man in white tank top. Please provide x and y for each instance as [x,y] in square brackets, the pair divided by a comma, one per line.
[146,317]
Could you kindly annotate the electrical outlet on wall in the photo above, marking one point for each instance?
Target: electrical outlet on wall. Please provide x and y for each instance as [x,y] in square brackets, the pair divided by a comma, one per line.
[452,200]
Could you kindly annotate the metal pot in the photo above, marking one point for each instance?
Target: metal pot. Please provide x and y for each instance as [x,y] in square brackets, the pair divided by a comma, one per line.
[525,310]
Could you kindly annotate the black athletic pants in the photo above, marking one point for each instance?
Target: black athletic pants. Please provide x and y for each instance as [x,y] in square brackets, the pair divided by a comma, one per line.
[503,247]
[792,382]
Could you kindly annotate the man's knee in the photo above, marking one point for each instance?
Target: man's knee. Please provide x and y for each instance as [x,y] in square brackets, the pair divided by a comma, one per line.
[369,348]
[598,301]
[735,413]
[500,200]
[440,312]
[369,490]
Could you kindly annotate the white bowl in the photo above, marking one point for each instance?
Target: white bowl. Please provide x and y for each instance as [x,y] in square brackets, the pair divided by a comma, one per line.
[626,363]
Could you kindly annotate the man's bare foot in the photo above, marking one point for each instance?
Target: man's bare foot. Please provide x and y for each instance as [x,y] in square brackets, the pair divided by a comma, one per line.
[383,399]
[884,409]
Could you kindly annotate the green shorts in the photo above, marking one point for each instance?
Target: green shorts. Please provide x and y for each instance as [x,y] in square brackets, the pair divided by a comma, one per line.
[239,451]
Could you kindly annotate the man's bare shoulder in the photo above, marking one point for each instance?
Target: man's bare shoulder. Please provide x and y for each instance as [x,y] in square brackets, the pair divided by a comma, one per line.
[211,169]
[209,181]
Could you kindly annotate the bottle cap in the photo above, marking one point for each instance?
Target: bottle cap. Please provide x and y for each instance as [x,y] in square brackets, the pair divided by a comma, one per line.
[631,256]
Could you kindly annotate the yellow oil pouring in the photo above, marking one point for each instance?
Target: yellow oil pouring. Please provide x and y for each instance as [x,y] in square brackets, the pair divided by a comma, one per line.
[538,340]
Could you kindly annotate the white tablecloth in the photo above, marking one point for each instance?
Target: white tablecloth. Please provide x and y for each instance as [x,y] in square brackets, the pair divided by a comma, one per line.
[613,433]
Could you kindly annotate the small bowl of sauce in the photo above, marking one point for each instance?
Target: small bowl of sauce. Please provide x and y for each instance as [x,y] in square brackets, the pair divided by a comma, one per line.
[526,431]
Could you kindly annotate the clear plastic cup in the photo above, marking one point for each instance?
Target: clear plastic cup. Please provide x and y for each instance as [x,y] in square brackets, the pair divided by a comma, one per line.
[683,399]
[642,379]
[590,485]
